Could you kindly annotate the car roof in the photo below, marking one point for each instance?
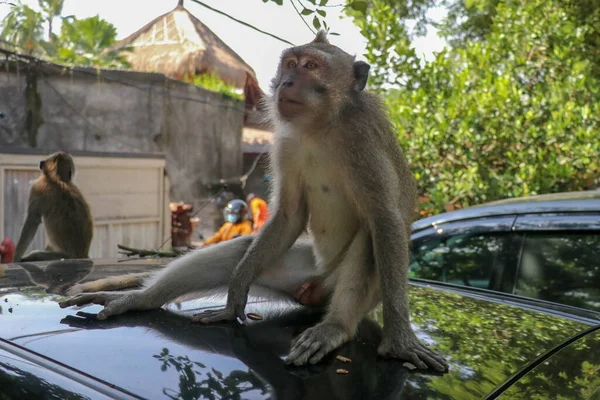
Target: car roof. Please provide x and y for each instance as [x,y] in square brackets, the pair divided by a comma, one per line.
[580,202]
[157,354]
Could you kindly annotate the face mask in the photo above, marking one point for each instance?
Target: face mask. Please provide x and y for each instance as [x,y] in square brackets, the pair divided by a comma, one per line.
[231,218]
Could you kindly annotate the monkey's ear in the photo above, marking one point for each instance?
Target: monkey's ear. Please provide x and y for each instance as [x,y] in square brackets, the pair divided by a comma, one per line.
[361,74]
[321,37]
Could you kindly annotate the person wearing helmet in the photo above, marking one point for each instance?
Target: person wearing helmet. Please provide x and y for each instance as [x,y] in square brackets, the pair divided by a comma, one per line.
[236,223]
[260,211]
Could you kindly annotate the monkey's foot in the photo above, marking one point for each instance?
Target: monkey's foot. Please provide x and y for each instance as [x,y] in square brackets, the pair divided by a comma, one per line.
[412,350]
[114,303]
[316,342]
[210,316]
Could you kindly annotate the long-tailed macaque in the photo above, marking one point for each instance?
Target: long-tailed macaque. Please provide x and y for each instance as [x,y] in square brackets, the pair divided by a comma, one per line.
[55,200]
[336,168]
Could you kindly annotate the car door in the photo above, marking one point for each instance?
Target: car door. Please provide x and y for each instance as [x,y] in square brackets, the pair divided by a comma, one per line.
[560,258]
[476,252]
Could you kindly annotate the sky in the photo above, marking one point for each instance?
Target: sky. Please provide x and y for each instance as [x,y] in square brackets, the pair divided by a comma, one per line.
[261,52]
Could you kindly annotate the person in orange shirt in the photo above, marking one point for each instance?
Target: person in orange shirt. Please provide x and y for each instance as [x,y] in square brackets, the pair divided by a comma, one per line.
[260,211]
[236,223]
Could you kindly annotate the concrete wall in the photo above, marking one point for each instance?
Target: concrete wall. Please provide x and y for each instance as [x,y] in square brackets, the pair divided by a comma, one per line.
[46,107]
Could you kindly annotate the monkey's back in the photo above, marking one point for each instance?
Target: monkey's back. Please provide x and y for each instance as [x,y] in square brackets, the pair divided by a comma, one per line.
[369,117]
[66,217]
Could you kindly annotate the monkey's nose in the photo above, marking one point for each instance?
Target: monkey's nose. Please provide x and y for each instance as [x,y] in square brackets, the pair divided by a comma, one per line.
[287,84]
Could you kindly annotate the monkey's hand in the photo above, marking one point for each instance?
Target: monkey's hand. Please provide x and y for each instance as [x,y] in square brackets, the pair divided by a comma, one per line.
[316,342]
[409,348]
[236,304]
[114,303]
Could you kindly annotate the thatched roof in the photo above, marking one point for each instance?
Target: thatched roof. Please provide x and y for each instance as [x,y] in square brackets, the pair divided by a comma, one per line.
[179,44]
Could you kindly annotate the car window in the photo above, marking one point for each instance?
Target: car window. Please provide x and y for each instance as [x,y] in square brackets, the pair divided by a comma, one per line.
[467,259]
[563,268]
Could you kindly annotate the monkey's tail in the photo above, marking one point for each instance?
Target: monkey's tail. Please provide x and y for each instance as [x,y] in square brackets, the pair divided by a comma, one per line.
[108,284]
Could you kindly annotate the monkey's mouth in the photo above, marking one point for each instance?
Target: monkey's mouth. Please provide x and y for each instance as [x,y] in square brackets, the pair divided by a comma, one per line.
[288,100]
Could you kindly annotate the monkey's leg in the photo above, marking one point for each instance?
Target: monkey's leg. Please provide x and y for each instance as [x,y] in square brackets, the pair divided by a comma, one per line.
[355,293]
[204,270]
[310,291]
[201,270]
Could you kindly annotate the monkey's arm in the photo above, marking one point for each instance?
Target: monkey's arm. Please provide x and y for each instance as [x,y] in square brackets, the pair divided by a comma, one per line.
[277,235]
[27,233]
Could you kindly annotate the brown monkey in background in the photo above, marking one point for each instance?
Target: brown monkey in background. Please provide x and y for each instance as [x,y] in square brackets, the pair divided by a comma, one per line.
[337,169]
[55,200]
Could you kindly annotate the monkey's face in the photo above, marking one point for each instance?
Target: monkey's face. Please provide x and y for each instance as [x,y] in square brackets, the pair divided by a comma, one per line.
[59,164]
[313,80]
[301,87]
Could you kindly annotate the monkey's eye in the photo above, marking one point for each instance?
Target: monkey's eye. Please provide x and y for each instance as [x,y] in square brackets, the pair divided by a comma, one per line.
[291,64]
[310,65]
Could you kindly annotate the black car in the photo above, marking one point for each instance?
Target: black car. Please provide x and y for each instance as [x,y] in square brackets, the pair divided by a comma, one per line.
[544,247]
[497,346]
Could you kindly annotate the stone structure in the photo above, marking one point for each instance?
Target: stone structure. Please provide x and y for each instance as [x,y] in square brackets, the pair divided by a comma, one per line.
[51,107]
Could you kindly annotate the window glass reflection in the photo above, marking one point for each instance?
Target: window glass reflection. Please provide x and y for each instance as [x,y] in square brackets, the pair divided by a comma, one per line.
[468,259]
[563,268]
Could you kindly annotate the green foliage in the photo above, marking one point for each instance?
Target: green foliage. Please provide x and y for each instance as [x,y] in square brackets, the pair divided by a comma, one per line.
[88,42]
[514,114]
[51,9]
[23,28]
[472,20]
[316,11]
[85,41]
[212,82]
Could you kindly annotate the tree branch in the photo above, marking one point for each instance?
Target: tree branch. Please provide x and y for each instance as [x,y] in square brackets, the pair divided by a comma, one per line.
[242,22]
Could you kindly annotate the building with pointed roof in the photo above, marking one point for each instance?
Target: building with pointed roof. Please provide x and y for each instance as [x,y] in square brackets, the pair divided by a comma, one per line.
[178,44]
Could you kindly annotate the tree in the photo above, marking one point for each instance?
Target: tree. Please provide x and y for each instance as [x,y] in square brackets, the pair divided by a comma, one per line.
[512,113]
[316,11]
[88,41]
[85,41]
[470,21]
[23,27]
[51,9]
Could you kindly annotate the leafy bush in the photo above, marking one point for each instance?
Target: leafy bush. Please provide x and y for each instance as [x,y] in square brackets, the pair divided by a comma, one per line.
[515,114]
[212,82]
